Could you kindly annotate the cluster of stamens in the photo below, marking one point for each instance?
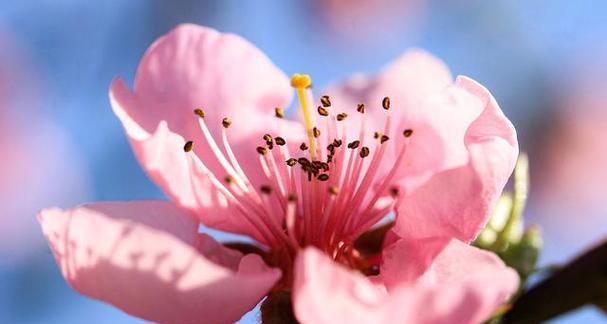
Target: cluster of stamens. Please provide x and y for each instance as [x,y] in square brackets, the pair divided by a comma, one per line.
[330,201]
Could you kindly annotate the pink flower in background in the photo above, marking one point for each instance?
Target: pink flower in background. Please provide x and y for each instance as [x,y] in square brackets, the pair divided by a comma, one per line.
[38,167]
[408,140]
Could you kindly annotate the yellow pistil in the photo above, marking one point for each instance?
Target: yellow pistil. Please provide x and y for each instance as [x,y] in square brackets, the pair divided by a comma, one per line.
[300,82]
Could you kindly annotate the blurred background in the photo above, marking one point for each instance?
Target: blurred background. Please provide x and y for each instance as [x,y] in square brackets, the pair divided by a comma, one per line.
[60,144]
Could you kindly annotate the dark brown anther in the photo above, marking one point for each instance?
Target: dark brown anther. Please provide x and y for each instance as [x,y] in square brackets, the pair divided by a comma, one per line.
[408,132]
[229,179]
[354,144]
[324,166]
[267,137]
[322,111]
[341,116]
[386,103]
[360,108]
[280,141]
[329,158]
[292,198]
[337,143]
[377,135]
[331,148]
[333,190]
[323,177]
[266,189]
[303,161]
[394,192]
[189,145]
[226,122]
[262,150]
[199,112]
[364,152]
[303,146]
[279,113]
[325,101]
[291,162]
[383,139]
[316,132]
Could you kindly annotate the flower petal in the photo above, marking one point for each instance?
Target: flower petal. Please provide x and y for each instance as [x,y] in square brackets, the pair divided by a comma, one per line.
[456,282]
[194,67]
[463,285]
[149,260]
[410,82]
[457,202]
[325,292]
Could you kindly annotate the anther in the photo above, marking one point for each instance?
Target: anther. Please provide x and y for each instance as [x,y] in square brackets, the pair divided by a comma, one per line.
[280,141]
[189,145]
[322,111]
[303,161]
[229,179]
[386,103]
[291,162]
[394,192]
[316,132]
[384,138]
[323,177]
[267,137]
[377,135]
[408,132]
[325,101]
[199,112]
[278,112]
[337,143]
[226,122]
[303,146]
[341,116]
[266,189]
[364,152]
[360,108]
[262,150]
[292,198]
[333,190]
[354,144]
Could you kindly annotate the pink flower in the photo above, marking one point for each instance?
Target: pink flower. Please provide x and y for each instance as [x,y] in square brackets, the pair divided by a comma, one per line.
[436,152]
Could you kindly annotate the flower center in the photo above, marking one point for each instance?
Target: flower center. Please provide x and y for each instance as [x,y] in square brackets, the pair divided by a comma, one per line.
[308,199]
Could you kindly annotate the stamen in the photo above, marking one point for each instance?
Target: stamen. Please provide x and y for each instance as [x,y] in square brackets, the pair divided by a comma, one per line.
[300,82]
[364,152]
[341,116]
[384,138]
[354,145]
[199,112]
[316,132]
[303,146]
[262,150]
[279,112]
[322,111]
[266,189]
[291,162]
[280,141]
[360,108]
[333,190]
[226,122]
[408,132]
[189,145]
[323,177]
[386,103]
[326,102]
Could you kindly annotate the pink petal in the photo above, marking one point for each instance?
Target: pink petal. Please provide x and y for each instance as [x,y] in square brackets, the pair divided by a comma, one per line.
[325,292]
[412,82]
[457,202]
[455,282]
[145,258]
[463,285]
[193,67]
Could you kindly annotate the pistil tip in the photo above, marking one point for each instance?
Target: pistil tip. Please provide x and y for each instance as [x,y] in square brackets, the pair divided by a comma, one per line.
[301,81]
